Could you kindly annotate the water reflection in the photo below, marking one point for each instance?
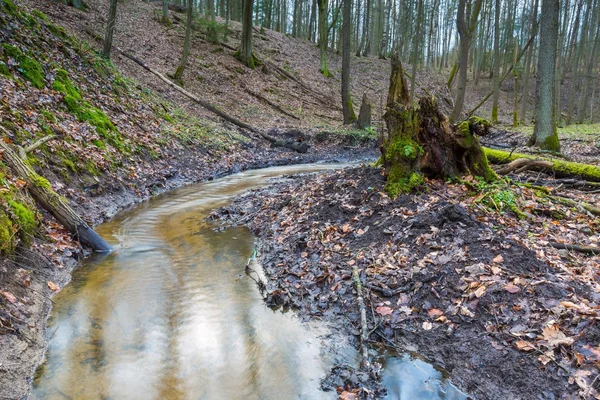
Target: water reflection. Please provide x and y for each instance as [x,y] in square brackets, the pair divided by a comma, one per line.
[170,315]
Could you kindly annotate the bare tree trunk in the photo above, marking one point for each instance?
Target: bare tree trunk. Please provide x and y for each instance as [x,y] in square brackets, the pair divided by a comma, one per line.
[496,95]
[165,12]
[348,110]
[186,42]
[245,53]
[525,92]
[110,29]
[466,22]
[415,55]
[323,36]
[545,135]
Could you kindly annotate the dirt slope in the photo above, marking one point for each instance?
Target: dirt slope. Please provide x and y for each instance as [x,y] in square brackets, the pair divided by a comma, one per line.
[219,77]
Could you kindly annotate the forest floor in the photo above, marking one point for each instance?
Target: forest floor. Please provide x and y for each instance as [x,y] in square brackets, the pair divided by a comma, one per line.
[452,270]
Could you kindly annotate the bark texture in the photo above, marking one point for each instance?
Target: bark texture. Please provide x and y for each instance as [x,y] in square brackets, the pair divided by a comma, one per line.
[545,135]
[421,142]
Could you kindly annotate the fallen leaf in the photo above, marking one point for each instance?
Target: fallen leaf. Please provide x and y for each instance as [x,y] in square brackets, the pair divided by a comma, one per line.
[511,288]
[524,345]
[498,259]
[427,325]
[555,337]
[53,286]
[496,270]
[10,297]
[345,228]
[434,313]
[383,310]
[348,396]
[546,357]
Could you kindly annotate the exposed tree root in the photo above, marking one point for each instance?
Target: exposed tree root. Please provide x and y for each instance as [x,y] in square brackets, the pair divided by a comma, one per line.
[560,168]
[522,164]
[299,147]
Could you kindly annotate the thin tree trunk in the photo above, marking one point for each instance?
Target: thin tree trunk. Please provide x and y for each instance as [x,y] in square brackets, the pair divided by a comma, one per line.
[110,29]
[545,135]
[496,95]
[348,110]
[323,6]
[415,57]
[186,43]
[245,53]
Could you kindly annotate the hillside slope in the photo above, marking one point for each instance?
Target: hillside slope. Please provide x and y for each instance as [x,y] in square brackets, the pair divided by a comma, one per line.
[289,76]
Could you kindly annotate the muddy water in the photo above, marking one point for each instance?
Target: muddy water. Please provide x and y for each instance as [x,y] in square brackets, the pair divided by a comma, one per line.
[171,315]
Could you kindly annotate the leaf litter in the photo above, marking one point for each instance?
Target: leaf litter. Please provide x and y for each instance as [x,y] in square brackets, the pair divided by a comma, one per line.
[477,292]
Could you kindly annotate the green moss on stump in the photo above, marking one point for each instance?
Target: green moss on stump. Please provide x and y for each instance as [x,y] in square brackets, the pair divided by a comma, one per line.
[398,183]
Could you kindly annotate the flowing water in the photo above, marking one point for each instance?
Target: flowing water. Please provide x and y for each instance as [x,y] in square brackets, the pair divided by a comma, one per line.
[171,315]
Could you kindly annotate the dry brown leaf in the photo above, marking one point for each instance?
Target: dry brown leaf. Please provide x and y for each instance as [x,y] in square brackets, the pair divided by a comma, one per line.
[511,288]
[53,286]
[434,313]
[10,297]
[427,325]
[345,228]
[348,396]
[498,259]
[383,310]
[524,345]
[555,337]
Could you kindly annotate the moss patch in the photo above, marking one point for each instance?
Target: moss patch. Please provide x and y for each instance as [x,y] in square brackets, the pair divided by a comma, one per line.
[398,182]
[7,234]
[29,68]
[63,84]
[26,220]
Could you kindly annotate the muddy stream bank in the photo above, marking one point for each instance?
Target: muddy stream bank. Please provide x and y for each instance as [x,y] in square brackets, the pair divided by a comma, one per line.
[171,314]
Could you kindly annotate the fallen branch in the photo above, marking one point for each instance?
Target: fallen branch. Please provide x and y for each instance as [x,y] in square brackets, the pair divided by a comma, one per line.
[39,143]
[56,205]
[560,168]
[522,164]
[299,147]
[582,205]
[575,247]
[272,104]
[364,337]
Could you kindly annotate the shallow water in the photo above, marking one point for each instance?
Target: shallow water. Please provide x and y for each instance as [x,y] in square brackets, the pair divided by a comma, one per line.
[171,315]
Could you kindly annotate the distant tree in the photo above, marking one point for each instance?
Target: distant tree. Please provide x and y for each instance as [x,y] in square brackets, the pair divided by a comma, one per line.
[348,110]
[545,135]
[323,6]
[186,42]
[496,95]
[165,12]
[110,29]
[245,53]
[466,22]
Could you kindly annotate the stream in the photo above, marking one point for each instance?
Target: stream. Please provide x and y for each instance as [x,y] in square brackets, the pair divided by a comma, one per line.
[170,314]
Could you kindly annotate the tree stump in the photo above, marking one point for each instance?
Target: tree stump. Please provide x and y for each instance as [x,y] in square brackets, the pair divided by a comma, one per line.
[364,116]
[421,142]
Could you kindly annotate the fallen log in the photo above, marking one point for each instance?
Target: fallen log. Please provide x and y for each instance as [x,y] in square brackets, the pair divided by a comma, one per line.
[575,247]
[56,205]
[299,147]
[580,204]
[560,168]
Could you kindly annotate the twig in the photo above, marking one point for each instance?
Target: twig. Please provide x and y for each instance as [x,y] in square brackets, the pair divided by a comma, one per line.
[364,337]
